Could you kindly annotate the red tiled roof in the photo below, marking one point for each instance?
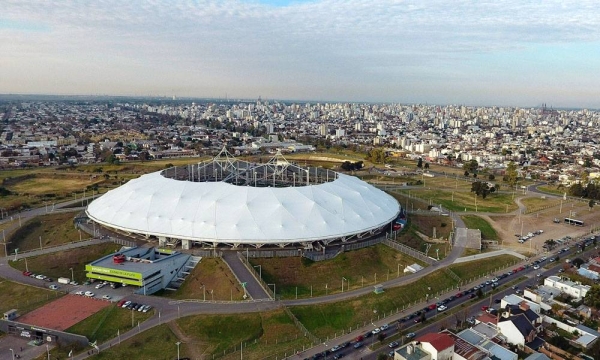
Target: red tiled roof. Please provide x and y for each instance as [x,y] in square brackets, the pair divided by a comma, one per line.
[439,341]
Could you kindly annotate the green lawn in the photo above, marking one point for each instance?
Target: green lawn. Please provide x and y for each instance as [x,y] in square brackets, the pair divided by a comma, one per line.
[328,319]
[471,269]
[157,343]
[24,298]
[212,276]
[476,222]
[54,229]
[465,200]
[58,264]
[363,267]
[104,324]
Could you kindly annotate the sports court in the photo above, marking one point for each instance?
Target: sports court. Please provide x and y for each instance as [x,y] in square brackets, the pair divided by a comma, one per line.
[63,313]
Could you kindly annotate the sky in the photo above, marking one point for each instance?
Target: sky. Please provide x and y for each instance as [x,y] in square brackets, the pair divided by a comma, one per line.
[507,53]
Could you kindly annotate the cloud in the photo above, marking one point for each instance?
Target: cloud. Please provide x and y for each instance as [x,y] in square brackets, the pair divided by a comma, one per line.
[268,44]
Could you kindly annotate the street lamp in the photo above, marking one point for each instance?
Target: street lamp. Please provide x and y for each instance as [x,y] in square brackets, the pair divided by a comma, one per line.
[13,353]
[178,343]
[72,275]
[274,297]
[204,292]
[343,278]
[259,271]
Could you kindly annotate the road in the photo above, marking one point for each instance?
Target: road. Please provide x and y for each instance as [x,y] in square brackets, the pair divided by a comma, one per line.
[436,320]
[168,310]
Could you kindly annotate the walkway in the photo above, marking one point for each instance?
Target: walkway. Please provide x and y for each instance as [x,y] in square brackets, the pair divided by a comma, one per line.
[488,255]
[253,288]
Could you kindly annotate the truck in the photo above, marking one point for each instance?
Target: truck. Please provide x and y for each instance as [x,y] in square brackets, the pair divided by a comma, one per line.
[63,280]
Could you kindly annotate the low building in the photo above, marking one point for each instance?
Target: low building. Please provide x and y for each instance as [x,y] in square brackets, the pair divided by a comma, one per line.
[150,269]
[568,287]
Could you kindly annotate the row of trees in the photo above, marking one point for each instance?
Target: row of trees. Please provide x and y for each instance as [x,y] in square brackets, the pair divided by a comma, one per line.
[590,191]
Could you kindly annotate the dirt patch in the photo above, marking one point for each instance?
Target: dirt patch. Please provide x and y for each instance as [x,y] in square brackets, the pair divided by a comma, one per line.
[508,226]
[64,312]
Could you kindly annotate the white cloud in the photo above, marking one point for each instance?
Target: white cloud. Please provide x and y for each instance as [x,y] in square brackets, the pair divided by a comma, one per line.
[248,47]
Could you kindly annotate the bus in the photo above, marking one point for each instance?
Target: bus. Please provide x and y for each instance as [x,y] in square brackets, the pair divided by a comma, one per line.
[573,222]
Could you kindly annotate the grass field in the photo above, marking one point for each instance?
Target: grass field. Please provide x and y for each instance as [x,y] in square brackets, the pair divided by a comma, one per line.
[54,229]
[219,283]
[51,185]
[265,334]
[425,224]
[358,267]
[104,324]
[551,189]
[57,264]
[475,222]
[24,298]
[327,319]
[465,200]
[157,343]
[537,203]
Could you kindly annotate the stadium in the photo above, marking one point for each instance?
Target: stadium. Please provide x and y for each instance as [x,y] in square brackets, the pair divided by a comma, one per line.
[230,202]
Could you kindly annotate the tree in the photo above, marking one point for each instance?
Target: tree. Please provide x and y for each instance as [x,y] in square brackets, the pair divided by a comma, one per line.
[420,163]
[577,262]
[466,173]
[591,204]
[592,298]
[479,293]
[426,165]
[471,166]
[511,174]
[382,356]
[491,177]
[377,156]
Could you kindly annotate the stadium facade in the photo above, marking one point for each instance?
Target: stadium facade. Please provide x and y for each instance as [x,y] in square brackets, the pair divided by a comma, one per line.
[226,201]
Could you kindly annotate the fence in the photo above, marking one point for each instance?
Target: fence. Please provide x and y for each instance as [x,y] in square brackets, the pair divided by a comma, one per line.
[272,253]
[409,251]
[300,326]
[257,276]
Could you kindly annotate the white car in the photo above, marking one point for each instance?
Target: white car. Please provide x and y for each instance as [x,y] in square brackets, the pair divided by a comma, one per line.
[74,283]
[80,293]
[89,294]
[442,308]
[384,327]
[100,286]
[53,287]
[376,331]
[536,267]
[106,297]
[40,277]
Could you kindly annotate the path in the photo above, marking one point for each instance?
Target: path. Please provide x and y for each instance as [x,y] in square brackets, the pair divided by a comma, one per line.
[489,254]
[253,288]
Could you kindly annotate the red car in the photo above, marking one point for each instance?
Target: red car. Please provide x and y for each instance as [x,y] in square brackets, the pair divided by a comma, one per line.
[27,273]
[432,307]
[484,308]
[120,303]
[460,294]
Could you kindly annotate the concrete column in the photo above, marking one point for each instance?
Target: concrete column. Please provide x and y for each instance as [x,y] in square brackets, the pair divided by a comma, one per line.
[162,241]
[186,244]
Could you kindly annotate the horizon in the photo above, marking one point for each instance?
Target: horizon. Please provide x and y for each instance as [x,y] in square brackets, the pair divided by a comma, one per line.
[385,51]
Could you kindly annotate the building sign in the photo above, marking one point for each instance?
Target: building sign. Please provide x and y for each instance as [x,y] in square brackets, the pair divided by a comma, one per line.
[113,272]
[25,333]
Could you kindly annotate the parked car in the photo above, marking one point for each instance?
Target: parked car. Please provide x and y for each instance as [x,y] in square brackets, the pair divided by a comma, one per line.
[106,297]
[393,344]
[442,308]
[89,294]
[358,345]
[27,273]
[410,335]
[53,287]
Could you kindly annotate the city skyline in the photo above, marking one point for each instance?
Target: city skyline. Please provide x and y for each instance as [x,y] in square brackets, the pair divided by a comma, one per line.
[507,53]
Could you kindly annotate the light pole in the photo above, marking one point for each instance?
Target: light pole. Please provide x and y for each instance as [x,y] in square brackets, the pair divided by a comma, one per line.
[13,353]
[343,278]
[178,343]
[274,296]
[259,271]
[72,275]
[204,292]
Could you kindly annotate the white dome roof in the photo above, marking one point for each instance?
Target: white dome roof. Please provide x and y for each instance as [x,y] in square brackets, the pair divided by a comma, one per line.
[221,212]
